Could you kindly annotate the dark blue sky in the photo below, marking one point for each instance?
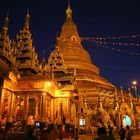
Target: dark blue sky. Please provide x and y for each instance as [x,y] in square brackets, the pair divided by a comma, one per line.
[94,18]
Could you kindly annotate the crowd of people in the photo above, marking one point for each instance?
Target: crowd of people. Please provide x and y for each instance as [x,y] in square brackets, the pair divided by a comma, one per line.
[38,131]
[43,132]
[109,134]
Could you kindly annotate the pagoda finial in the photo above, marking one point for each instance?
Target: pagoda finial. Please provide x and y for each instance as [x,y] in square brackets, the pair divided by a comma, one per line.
[122,93]
[43,55]
[27,19]
[69,11]
[130,98]
[43,63]
[116,99]
[5,26]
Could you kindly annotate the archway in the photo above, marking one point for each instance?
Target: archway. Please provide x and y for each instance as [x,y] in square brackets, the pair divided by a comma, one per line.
[126,121]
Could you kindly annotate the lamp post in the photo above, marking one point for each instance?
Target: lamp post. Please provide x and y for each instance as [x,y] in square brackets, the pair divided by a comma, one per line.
[134,86]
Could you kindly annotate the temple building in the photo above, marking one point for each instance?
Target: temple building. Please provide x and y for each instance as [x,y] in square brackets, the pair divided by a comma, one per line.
[67,90]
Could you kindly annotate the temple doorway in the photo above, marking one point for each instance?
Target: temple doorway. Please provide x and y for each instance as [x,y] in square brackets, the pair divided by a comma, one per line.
[126,121]
[32,106]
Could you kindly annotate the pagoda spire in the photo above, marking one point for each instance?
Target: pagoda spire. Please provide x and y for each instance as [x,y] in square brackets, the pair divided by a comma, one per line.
[122,94]
[130,98]
[69,10]
[43,63]
[26,53]
[5,26]
[116,99]
[27,20]
[56,61]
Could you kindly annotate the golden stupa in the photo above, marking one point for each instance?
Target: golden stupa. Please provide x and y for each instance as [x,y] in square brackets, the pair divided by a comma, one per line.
[74,54]
[78,61]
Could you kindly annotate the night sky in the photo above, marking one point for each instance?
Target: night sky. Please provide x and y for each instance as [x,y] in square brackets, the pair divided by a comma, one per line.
[94,18]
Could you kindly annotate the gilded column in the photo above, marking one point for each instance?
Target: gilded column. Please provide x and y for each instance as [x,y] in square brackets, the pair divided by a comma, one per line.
[37,109]
[47,106]
[13,104]
[11,107]
[68,110]
[45,103]
[52,110]
[26,105]
[42,106]
[1,103]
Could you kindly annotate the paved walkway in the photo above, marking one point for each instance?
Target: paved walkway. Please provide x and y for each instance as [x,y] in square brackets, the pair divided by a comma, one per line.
[81,137]
[136,137]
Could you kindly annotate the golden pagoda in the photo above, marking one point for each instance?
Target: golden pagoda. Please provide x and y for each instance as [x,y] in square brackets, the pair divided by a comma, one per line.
[6,49]
[68,86]
[26,57]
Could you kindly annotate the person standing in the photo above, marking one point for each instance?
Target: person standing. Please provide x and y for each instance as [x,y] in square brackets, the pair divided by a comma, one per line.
[128,133]
[76,133]
[111,133]
[122,133]
[60,133]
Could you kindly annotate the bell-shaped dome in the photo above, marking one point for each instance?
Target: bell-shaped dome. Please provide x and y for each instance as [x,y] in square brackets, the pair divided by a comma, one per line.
[76,57]
[69,42]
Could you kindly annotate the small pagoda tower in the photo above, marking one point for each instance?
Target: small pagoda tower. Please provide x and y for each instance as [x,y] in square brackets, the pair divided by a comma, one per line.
[7,58]
[56,62]
[58,69]
[43,65]
[26,57]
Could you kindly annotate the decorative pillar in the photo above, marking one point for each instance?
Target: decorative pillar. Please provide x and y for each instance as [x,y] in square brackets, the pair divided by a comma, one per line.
[49,100]
[37,108]
[42,106]
[1,103]
[13,104]
[11,107]
[52,110]
[26,106]
[68,110]
[119,119]
[45,105]
[70,104]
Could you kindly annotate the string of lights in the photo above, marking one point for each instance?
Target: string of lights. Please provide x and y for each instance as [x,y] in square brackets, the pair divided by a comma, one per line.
[130,47]
[123,37]
[118,43]
[119,50]
[112,37]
